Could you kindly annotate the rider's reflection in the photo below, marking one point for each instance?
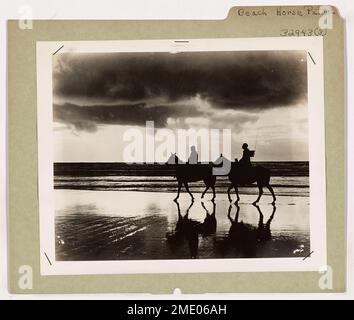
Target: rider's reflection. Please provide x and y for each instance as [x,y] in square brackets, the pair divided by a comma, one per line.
[243,238]
[209,225]
[189,230]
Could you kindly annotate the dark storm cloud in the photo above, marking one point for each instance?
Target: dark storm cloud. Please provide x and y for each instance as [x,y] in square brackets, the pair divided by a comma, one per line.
[86,118]
[230,80]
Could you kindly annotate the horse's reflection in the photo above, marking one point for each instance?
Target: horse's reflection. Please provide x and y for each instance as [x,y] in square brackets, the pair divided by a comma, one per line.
[208,227]
[242,237]
[264,231]
[189,229]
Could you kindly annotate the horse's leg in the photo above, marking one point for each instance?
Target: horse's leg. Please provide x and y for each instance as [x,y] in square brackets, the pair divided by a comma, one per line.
[236,190]
[260,188]
[204,192]
[212,183]
[272,192]
[228,192]
[186,185]
[179,190]
[213,187]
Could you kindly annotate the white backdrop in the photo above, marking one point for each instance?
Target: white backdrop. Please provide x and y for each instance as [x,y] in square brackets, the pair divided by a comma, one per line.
[161,9]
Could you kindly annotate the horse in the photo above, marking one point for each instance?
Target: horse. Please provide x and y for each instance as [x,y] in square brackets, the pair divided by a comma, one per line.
[186,173]
[241,175]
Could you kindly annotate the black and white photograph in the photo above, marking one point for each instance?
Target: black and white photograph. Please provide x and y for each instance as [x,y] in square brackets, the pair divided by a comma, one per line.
[182,154]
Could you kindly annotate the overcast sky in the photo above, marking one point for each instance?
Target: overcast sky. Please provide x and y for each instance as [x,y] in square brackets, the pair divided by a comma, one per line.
[261,96]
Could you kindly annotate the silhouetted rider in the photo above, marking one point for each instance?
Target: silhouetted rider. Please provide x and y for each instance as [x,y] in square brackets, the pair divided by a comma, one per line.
[247,155]
[193,158]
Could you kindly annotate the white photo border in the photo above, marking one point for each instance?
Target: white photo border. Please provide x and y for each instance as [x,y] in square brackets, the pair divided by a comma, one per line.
[318,239]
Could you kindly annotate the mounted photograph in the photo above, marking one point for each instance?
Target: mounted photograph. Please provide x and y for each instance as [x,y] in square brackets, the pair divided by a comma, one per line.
[193,155]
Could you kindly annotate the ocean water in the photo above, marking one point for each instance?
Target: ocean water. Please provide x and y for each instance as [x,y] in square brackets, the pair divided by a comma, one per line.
[127,212]
[287,178]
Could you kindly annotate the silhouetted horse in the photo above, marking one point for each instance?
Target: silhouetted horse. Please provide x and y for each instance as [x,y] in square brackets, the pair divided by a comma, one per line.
[239,175]
[192,173]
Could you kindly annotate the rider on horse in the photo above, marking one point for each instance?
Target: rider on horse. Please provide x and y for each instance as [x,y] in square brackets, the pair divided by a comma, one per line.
[193,158]
[245,161]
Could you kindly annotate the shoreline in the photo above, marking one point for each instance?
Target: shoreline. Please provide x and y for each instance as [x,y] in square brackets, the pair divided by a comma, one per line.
[108,169]
[194,192]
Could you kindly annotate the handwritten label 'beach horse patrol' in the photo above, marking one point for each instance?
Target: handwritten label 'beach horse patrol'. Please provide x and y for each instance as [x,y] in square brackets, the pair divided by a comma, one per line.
[306,11]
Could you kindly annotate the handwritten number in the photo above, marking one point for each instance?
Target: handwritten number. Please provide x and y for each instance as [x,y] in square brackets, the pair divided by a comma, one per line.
[303,32]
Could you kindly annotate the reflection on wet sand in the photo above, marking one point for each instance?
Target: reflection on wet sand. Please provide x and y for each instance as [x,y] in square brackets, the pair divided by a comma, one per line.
[190,229]
[94,225]
[243,238]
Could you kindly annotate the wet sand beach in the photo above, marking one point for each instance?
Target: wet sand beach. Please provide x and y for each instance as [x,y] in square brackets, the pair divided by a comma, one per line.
[127,225]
